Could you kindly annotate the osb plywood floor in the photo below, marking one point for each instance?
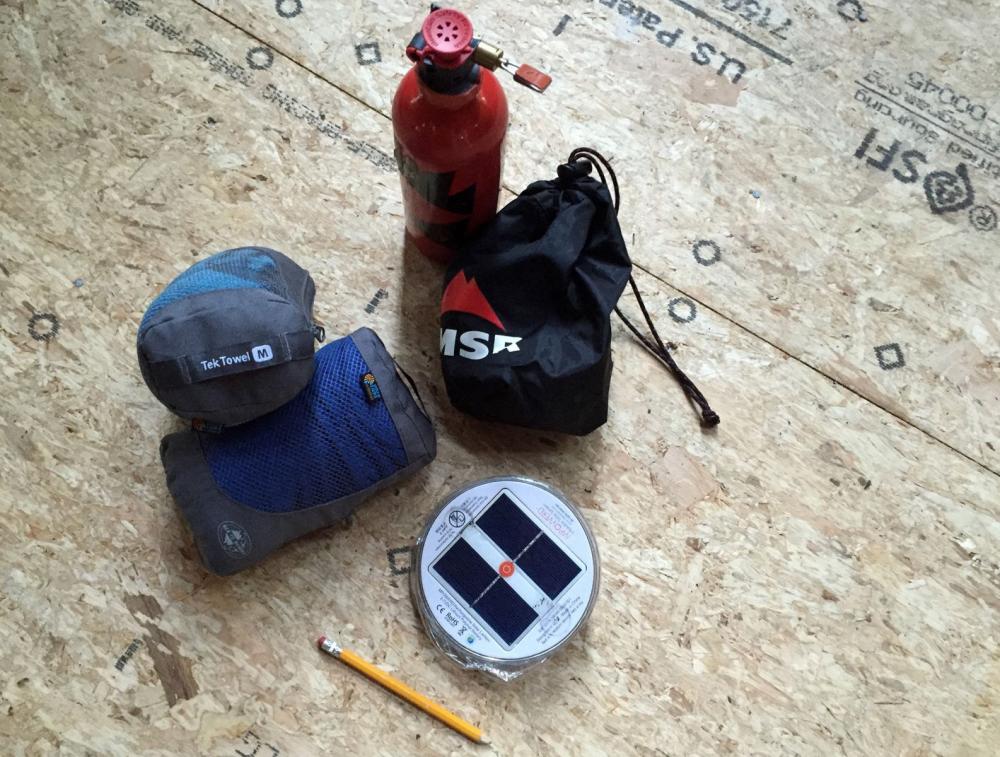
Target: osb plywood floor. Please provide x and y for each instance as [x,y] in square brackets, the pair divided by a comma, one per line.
[811,192]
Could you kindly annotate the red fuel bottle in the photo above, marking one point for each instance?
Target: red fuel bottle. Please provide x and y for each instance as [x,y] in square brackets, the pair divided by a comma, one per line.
[449,118]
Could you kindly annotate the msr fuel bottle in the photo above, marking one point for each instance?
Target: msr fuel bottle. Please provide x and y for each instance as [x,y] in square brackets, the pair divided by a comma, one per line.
[449,118]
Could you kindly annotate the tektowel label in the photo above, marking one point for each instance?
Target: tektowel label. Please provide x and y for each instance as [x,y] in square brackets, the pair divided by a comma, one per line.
[235,358]
[229,359]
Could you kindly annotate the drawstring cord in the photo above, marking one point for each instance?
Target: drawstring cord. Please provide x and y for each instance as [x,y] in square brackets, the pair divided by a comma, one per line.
[656,347]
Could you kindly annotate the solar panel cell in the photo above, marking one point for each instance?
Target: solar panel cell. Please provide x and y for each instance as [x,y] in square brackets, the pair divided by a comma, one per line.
[505,611]
[507,525]
[465,570]
[548,566]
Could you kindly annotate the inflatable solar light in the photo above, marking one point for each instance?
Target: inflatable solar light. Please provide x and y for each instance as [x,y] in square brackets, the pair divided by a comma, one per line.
[505,574]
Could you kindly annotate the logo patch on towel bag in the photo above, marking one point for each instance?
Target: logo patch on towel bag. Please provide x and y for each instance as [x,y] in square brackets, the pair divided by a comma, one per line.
[234,539]
[370,385]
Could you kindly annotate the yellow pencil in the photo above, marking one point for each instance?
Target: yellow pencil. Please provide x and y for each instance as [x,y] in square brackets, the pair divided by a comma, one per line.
[400,689]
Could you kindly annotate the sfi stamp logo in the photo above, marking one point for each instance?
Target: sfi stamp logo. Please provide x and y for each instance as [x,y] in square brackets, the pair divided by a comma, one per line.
[948,192]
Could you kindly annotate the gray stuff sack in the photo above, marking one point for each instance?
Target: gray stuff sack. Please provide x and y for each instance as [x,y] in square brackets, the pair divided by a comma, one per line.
[353,431]
[231,338]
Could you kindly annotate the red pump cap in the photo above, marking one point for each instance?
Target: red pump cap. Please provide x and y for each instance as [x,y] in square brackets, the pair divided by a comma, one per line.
[448,37]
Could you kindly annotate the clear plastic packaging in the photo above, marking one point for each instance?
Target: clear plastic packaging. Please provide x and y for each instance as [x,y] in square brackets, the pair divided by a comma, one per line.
[556,573]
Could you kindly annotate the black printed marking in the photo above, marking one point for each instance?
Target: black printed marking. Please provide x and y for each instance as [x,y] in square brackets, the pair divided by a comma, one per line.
[288,8]
[49,329]
[983,218]
[270,93]
[394,568]
[260,58]
[216,60]
[924,131]
[161,26]
[561,26]
[380,295]
[948,192]
[251,739]
[890,356]
[219,63]
[758,15]
[125,656]
[128,7]
[682,310]
[706,252]
[368,53]
[735,32]
[929,120]
[704,53]
[317,120]
[904,170]
[852,10]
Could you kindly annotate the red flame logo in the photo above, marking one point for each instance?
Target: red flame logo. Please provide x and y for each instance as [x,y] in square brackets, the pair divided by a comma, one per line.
[462,295]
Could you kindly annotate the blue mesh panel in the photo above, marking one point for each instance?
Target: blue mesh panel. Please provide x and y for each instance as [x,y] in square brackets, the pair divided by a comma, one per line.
[326,443]
[243,268]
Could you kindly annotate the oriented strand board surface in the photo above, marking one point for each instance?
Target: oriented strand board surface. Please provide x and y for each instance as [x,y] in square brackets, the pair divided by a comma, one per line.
[817,577]
[737,138]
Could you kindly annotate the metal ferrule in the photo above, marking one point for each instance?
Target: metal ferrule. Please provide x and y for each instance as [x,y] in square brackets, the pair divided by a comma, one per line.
[331,647]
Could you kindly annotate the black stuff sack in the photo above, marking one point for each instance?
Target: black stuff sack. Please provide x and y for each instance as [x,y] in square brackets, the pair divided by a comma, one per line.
[231,338]
[525,313]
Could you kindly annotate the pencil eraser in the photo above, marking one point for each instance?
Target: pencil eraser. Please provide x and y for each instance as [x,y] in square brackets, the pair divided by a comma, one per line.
[320,641]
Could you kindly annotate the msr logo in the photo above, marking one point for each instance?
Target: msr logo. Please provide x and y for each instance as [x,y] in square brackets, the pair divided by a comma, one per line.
[463,295]
[475,345]
[262,353]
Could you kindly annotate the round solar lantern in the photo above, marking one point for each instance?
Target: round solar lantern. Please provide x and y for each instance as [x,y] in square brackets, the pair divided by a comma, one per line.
[505,574]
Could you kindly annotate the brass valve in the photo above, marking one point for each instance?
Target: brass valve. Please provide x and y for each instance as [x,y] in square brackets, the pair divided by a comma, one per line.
[491,57]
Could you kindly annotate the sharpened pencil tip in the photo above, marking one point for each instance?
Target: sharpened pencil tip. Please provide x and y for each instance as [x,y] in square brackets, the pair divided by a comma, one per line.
[484,740]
